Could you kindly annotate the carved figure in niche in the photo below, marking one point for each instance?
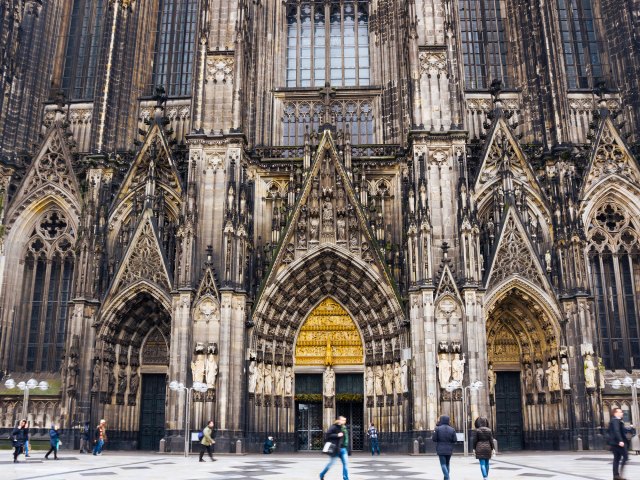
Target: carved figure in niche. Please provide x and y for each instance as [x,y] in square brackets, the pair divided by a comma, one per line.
[279,381]
[528,379]
[601,370]
[96,377]
[554,384]
[122,381]
[211,370]
[492,380]
[566,384]
[288,382]
[457,367]
[404,366]
[260,379]
[589,372]
[340,200]
[379,374]
[342,228]
[539,378]
[329,382]
[72,373]
[327,217]
[397,378]
[268,380]
[111,379]
[315,198]
[198,364]
[368,382]
[388,379]
[547,260]
[252,376]
[314,222]
[444,370]
[134,381]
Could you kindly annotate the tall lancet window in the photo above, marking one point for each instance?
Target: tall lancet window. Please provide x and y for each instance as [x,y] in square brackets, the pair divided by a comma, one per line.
[175,46]
[327,42]
[40,321]
[614,256]
[83,49]
[484,49]
[579,43]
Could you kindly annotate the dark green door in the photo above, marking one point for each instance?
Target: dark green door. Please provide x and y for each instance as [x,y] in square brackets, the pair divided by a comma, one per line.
[508,411]
[154,390]
[309,429]
[349,404]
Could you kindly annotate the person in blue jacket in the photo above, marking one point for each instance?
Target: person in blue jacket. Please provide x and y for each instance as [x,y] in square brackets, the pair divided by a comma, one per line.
[445,439]
[54,441]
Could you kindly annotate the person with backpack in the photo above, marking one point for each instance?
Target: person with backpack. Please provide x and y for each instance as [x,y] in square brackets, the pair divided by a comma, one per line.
[445,438]
[617,442]
[483,445]
[338,436]
[372,433]
[54,442]
[85,437]
[19,436]
[207,441]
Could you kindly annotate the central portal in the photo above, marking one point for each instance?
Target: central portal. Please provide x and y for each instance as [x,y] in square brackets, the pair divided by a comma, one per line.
[329,381]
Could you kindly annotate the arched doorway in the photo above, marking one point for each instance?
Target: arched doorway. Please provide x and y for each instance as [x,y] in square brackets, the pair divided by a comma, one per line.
[524,370]
[329,375]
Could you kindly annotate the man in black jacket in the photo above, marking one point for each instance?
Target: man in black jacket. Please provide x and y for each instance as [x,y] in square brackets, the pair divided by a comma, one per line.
[617,443]
[339,436]
[445,438]
[19,436]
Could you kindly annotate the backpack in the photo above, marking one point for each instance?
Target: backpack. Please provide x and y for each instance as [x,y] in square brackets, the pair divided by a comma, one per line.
[200,435]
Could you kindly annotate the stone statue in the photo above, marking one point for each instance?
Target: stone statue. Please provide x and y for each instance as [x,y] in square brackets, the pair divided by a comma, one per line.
[268,380]
[601,371]
[458,368]
[547,260]
[528,379]
[329,382]
[111,380]
[405,376]
[379,374]
[549,375]
[134,381]
[388,379]
[260,379]
[444,370]
[566,384]
[72,373]
[197,368]
[252,376]
[397,378]
[589,372]
[492,380]
[211,370]
[342,228]
[122,381]
[554,376]
[288,382]
[368,382]
[279,381]
[539,378]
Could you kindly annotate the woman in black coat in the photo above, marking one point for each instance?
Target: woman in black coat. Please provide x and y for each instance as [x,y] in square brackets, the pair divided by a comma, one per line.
[445,438]
[19,436]
[483,444]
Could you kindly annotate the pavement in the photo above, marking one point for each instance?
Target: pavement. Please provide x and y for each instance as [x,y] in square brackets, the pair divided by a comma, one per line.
[586,465]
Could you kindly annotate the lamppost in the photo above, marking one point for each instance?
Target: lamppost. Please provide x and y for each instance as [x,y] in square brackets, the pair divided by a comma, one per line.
[180,387]
[30,384]
[628,382]
[473,387]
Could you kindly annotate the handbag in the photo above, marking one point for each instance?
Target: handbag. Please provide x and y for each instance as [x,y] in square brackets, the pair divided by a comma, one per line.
[329,448]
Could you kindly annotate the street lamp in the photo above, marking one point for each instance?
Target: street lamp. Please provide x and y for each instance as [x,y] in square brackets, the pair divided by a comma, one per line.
[30,384]
[473,387]
[628,382]
[180,387]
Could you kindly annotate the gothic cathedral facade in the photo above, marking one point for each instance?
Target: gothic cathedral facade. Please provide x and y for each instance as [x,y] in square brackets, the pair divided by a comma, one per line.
[381,209]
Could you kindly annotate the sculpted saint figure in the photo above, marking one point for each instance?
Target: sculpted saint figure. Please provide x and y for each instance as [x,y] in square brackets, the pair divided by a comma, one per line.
[458,368]
[288,382]
[260,379]
[268,380]
[539,378]
[388,379]
[197,368]
[329,382]
[528,379]
[134,381]
[397,378]
[279,381]
[566,384]
[444,370]
[212,370]
[368,381]
[378,380]
[589,372]
[554,384]
[492,379]
[405,376]
[252,376]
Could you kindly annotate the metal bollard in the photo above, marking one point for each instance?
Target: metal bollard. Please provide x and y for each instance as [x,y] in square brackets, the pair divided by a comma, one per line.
[579,444]
[162,447]
[238,447]
[416,447]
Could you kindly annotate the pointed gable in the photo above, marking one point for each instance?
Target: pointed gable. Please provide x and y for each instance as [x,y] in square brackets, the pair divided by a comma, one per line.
[328,212]
[502,151]
[515,256]
[208,285]
[447,284]
[610,157]
[144,259]
[50,173]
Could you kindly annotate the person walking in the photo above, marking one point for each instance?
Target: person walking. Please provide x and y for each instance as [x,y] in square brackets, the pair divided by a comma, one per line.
[85,437]
[372,433]
[54,442]
[616,440]
[19,436]
[101,437]
[339,436]
[207,441]
[26,441]
[445,438]
[483,445]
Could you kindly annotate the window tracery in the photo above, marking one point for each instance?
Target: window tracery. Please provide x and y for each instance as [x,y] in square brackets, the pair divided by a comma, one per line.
[46,290]
[614,258]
